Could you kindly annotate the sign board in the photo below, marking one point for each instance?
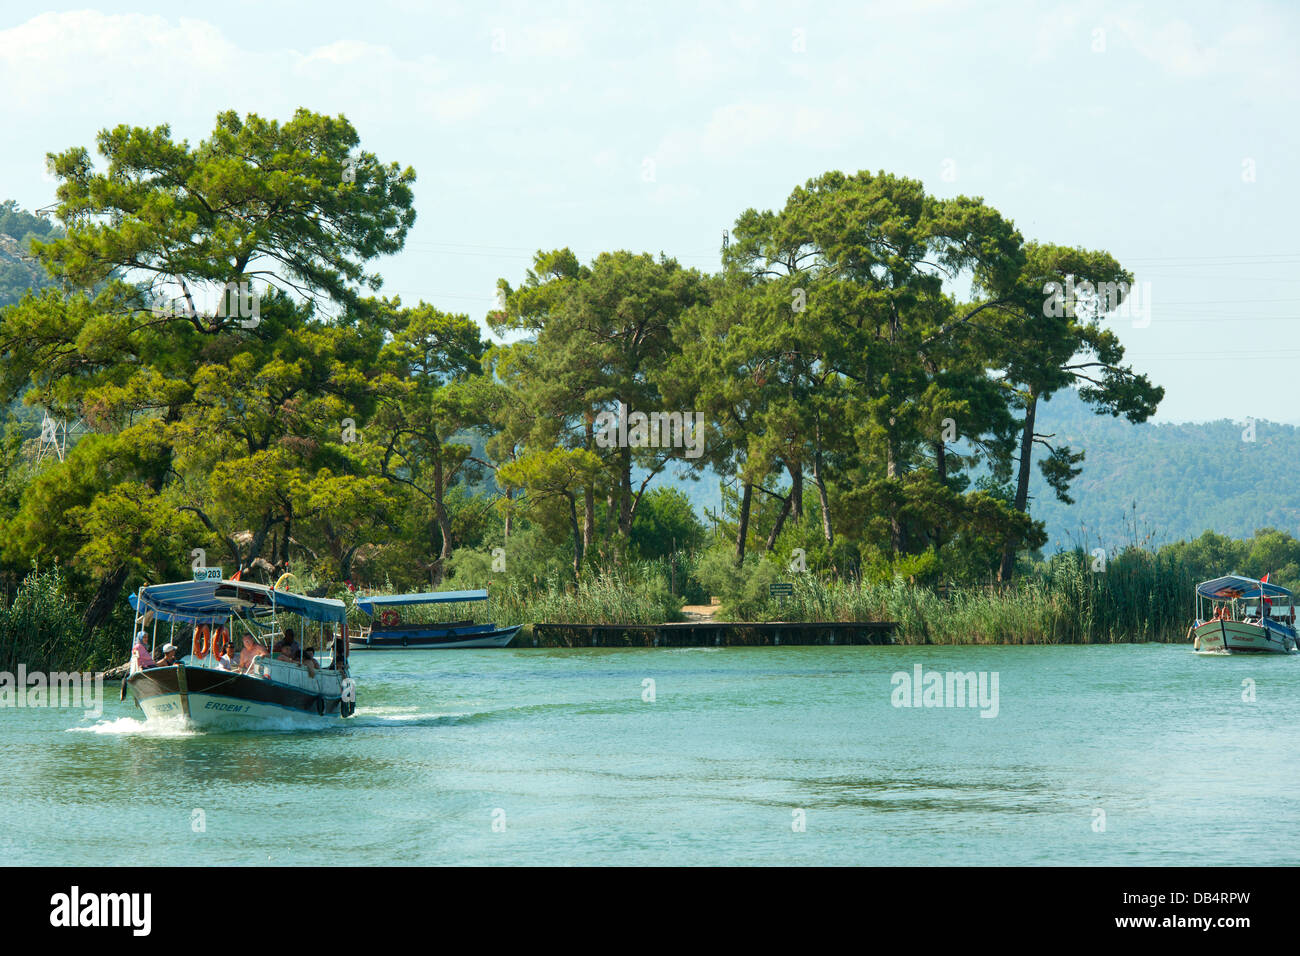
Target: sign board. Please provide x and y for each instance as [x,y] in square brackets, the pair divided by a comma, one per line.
[207,574]
[782,589]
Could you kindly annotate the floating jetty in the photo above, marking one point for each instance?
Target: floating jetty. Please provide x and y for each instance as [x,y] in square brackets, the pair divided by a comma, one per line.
[712,634]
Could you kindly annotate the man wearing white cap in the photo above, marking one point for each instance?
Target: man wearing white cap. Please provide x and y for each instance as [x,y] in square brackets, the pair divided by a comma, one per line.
[169,656]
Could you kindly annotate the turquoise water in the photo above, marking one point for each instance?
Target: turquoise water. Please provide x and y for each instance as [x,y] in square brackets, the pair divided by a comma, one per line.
[555,757]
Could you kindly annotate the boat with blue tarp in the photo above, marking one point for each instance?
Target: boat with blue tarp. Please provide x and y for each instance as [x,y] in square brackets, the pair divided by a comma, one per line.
[1240,615]
[232,660]
[392,629]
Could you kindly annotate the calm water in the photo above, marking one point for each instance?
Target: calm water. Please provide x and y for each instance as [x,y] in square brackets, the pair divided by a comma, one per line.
[561,748]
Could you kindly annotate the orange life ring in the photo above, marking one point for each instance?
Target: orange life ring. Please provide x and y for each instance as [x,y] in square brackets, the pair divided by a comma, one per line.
[220,642]
[390,619]
[201,641]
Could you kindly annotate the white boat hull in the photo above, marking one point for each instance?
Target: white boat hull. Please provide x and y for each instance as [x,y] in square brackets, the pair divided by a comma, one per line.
[275,695]
[1238,637]
[218,713]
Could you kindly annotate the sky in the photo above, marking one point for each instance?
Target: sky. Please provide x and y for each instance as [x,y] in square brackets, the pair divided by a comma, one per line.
[1165,134]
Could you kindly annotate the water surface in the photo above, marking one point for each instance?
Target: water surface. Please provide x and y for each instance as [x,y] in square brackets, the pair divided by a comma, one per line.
[556,757]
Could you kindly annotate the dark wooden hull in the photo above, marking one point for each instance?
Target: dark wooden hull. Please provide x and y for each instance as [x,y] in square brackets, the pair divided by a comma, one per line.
[432,638]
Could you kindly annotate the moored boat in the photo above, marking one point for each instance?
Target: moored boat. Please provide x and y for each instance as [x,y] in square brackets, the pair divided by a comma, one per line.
[1233,625]
[389,631]
[232,679]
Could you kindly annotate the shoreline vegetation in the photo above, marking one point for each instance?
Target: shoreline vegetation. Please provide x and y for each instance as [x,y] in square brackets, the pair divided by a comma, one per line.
[1137,596]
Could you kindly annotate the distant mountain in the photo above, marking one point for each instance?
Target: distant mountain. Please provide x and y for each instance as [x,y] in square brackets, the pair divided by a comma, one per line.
[1151,483]
[1164,483]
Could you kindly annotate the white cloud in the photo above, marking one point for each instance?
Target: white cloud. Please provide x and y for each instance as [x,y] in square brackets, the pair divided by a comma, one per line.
[740,127]
[187,70]
[1173,46]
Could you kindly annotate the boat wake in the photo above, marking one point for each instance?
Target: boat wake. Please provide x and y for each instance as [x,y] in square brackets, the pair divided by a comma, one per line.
[391,717]
[135,727]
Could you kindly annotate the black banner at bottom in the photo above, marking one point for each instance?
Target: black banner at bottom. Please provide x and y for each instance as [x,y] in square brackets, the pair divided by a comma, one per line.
[362,906]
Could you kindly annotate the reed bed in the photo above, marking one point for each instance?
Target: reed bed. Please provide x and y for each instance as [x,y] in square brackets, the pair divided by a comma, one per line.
[638,595]
[42,629]
[1140,597]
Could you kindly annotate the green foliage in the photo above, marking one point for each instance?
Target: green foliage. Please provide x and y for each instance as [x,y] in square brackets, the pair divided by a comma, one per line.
[42,629]
[875,430]
[666,523]
[20,270]
[635,596]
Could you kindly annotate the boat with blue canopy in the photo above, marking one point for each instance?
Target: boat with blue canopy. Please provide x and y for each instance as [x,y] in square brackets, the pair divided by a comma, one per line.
[231,658]
[393,628]
[1240,615]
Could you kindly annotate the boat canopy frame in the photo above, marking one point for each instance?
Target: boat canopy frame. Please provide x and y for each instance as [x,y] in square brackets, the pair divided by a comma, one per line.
[219,601]
[1231,588]
[380,602]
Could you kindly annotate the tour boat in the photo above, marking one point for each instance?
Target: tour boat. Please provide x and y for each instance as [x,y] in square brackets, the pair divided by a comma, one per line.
[1237,626]
[387,630]
[207,688]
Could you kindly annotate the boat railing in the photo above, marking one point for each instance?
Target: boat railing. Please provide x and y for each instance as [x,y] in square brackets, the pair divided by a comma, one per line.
[289,672]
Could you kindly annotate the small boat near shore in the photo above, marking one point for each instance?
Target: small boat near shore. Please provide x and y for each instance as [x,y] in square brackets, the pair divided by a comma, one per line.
[1233,625]
[231,679]
[388,631]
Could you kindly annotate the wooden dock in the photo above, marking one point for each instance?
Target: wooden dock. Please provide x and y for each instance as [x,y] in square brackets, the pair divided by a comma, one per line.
[711,634]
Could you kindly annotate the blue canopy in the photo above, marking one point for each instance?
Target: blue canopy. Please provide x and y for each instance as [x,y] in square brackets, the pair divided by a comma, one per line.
[1234,586]
[369,604]
[210,602]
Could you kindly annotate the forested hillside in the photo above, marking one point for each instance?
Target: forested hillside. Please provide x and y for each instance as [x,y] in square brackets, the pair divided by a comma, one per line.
[19,269]
[1156,484]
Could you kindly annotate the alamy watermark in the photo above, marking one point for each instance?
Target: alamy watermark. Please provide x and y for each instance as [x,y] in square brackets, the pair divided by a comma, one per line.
[60,689]
[75,908]
[622,429]
[237,301]
[1091,300]
[923,688]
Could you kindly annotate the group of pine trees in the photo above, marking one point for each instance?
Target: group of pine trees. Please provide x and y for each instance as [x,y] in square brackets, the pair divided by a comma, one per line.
[866,366]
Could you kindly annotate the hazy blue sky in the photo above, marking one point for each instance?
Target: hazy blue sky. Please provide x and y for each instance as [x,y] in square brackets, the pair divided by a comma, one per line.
[1164,133]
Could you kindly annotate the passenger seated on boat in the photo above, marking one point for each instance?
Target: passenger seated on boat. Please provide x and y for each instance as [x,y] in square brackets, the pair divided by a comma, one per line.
[309,661]
[227,661]
[169,657]
[288,648]
[140,652]
[251,652]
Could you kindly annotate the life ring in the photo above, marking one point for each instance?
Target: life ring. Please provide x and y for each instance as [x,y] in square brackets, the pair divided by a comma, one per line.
[390,619]
[220,642]
[201,641]
[284,579]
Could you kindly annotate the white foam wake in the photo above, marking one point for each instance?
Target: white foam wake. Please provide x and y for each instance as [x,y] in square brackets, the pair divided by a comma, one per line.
[129,726]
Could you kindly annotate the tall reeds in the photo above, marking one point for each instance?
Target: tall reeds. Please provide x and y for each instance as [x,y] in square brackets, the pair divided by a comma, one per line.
[1074,600]
[42,629]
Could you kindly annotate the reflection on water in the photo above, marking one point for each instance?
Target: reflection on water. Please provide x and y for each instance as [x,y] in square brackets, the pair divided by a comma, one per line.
[563,747]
